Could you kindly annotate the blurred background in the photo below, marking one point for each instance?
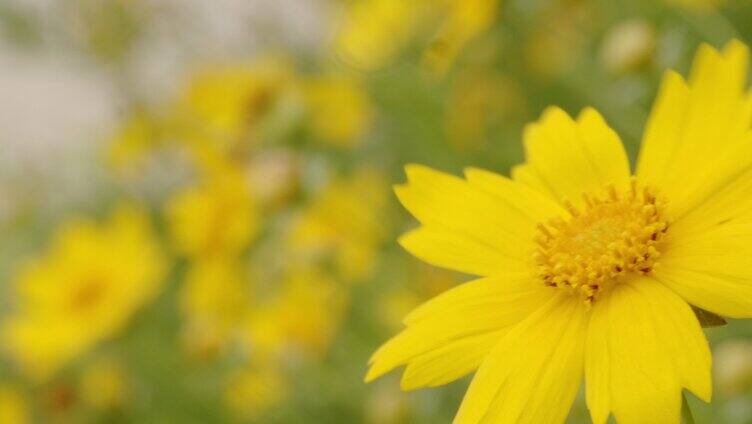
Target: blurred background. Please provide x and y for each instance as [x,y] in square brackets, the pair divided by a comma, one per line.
[196,216]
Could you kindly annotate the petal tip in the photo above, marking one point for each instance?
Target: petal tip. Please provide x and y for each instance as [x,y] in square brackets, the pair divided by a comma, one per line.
[413,170]
[589,113]
[736,47]
[370,376]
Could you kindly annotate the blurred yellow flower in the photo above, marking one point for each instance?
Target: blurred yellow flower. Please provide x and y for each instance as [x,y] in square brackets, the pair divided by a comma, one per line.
[251,392]
[339,110]
[222,103]
[134,139]
[213,300]
[345,222]
[274,176]
[558,41]
[300,319]
[215,218]
[464,21]
[479,101]
[220,114]
[589,272]
[14,408]
[92,279]
[373,32]
[104,384]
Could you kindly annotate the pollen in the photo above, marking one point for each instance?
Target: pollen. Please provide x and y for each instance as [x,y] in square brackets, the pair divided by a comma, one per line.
[607,237]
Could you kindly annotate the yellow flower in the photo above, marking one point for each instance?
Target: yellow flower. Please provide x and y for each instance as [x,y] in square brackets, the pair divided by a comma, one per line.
[373,32]
[589,272]
[131,142]
[339,109]
[217,217]
[465,20]
[252,392]
[345,223]
[274,177]
[480,100]
[557,42]
[221,103]
[213,300]
[104,384]
[302,317]
[14,408]
[221,112]
[93,278]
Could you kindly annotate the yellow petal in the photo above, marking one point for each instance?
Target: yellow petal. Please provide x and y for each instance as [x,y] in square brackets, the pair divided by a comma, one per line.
[465,20]
[449,362]
[531,202]
[697,137]
[517,295]
[566,158]
[525,174]
[729,204]
[471,309]
[663,130]
[643,345]
[532,375]
[464,223]
[725,295]
[710,268]
[440,199]
[460,252]
[705,258]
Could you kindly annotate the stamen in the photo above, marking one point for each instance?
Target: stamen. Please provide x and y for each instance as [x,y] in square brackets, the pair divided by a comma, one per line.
[608,237]
[570,207]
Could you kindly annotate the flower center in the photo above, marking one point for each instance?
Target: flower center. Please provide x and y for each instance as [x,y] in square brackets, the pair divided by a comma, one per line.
[87,296]
[611,235]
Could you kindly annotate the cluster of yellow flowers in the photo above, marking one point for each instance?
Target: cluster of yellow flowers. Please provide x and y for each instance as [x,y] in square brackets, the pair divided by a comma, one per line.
[373,32]
[230,110]
[265,259]
[286,299]
[83,291]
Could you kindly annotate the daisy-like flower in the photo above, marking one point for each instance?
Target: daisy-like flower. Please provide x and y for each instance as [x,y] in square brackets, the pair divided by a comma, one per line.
[587,270]
[84,290]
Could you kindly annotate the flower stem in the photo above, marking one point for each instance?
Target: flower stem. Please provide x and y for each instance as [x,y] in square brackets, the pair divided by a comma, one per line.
[686,412]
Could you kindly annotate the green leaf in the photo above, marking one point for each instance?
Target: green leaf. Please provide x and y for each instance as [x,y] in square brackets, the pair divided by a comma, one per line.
[708,319]
[687,417]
